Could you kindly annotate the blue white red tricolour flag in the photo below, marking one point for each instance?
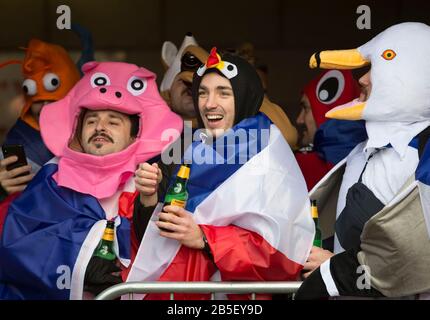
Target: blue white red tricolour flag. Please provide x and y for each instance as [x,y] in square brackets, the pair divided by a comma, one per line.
[250,199]
[49,236]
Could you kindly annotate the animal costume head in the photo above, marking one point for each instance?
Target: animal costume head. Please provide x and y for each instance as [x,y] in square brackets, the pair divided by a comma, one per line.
[114,86]
[399,75]
[171,58]
[181,63]
[192,58]
[274,112]
[247,88]
[49,73]
[330,89]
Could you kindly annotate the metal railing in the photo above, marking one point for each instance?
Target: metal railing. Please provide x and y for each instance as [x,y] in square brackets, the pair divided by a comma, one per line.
[130,288]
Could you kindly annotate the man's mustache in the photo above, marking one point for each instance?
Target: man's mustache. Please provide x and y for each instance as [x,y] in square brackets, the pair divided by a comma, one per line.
[100,134]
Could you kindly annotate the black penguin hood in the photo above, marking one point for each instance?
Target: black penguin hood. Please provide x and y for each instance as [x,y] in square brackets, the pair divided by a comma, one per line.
[246,84]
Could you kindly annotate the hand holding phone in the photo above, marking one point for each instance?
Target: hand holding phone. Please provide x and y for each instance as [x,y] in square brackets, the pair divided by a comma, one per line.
[14,170]
[18,151]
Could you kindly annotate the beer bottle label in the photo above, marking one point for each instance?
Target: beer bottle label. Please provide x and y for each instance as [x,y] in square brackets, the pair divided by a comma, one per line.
[104,250]
[178,188]
[177,199]
[314,212]
[177,202]
[108,235]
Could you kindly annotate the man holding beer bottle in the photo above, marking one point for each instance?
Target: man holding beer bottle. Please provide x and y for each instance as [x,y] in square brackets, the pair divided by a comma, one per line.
[69,233]
[232,226]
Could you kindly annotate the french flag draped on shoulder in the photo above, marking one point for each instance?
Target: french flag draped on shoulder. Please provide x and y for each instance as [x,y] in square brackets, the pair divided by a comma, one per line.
[50,234]
[52,229]
[250,199]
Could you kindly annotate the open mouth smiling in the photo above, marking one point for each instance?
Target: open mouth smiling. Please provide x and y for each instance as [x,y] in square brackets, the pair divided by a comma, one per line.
[214,119]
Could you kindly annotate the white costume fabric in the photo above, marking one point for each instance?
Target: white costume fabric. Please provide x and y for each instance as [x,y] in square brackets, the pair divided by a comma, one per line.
[172,57]
[394,242]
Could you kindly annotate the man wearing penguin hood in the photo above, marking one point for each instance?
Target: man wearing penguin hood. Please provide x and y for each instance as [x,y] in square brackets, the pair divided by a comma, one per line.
[247,215]
[377,199]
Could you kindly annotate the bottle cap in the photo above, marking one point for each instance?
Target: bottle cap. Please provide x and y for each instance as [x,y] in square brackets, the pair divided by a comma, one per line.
[314,209]
[184,172]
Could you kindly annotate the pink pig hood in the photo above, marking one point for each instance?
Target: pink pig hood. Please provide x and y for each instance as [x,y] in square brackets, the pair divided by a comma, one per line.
[116,86]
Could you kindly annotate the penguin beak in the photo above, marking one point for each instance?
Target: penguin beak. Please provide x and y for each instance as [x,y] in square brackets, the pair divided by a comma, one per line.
[338,59]
[342,59]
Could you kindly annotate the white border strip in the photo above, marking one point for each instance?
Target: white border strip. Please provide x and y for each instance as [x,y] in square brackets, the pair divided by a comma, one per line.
[84,256]
[328,280]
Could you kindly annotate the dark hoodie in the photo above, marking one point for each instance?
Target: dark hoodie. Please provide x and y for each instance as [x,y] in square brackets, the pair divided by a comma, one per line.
[247,88]
[248,96]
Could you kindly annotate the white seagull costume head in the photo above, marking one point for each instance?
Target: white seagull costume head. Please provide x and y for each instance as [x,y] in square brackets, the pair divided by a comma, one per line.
[399,102]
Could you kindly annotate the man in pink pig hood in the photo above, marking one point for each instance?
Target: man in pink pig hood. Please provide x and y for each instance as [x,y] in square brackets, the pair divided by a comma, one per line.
[110,122]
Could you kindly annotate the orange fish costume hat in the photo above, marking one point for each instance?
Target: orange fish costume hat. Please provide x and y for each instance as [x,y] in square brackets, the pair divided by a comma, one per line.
[49,73]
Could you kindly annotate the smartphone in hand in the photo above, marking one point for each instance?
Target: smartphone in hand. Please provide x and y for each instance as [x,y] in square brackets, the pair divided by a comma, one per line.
[15,150]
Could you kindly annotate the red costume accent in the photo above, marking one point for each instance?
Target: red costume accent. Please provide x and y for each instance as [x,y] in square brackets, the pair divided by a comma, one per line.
[213,59]
[319,109]
[313,167]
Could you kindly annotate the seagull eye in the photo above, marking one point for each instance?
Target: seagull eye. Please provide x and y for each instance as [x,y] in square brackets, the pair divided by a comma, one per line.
[388,54]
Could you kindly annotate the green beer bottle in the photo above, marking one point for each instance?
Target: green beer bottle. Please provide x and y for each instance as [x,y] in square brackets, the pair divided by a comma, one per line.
[104,249]
[314,211]
[177,194]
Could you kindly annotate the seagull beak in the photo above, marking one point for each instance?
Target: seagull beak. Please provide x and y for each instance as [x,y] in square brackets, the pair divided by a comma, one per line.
[350,111]
[342,59]
[338,59]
